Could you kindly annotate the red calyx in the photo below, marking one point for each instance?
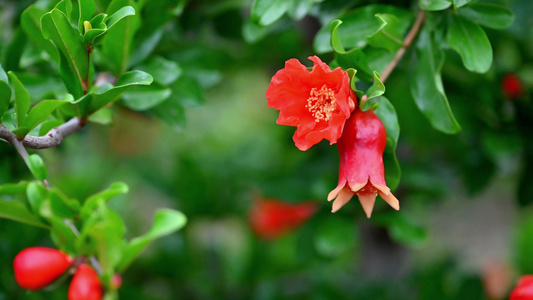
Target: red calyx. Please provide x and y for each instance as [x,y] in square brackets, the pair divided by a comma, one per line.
[524,290]
[38,267]
[85,285]
[272,218]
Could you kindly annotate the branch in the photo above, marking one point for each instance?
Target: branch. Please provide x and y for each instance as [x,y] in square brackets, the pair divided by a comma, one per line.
[420,18]
[53,138]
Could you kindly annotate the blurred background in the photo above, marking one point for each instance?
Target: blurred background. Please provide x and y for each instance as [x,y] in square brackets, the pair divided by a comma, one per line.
[465,228]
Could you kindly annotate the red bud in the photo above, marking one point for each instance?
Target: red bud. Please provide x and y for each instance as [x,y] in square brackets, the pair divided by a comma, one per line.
[85,285]
[38,267]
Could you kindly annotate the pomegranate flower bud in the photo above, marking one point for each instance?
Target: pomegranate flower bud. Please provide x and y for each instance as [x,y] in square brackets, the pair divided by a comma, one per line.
[37,267]
[361,169]
[524,289]
[316,102]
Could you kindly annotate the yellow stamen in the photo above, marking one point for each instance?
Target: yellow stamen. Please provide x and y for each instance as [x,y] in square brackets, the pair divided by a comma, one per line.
[322,103]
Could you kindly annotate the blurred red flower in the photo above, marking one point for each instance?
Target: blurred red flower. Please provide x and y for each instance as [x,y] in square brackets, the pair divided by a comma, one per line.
[524,289]
[317,102]
[271,218]
[361,168]
[512,86]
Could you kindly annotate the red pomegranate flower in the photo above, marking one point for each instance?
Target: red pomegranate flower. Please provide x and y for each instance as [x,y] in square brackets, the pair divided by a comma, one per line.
[316,102]
[361,169]
[524,289]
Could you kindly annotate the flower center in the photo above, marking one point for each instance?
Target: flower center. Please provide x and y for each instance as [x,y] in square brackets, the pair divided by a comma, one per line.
[321,103]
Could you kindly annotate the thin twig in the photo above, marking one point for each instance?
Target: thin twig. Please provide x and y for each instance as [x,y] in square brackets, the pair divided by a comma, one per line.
[421,16]
[53,138]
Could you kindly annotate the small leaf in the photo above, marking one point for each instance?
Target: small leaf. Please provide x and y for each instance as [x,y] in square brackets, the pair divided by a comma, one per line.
[164,71]
[30,20]
[37,167]
[126,81]
[5,97]
[87,11]
[266,12]
[143,98]
[65,6]
[61,206]
[112,191]
[13,188]
[22,99]
[387,115]
[166,221]
[63,236]
[49,125]
[119,15]
[36,193]
[488,14]
[390,35]
[18,212]
[433,5]
[426,86]
[459,3]
[56,27]
[471,42]
[377,88]
[41,112]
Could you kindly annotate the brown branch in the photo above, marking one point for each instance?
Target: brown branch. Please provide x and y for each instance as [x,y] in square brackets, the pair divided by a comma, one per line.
[420,18]
[53,138]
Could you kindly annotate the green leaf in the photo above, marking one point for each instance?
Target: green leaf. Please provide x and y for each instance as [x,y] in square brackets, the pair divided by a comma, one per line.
[357,26]
[300,8]
[393,173]
[171,112]
[390,35]
[377,88]
[119,15]
[146,97]
[116,44]
[13,54]
[402,229]
[61,206]
[164,71]
[426,86]
[459,3]
[166,221]
[522,245]
[5,93]
[387,115]
[433,5]
[37,167]
[266,12]
[36,193]
[471,42]
[65,6]
[126,81]
[13,188]
[91,203]
[87,11]
[56,27]
[18,212]
[63,236]
[49,125]
[488,14]
[30,20]
[22,99]
[41,112]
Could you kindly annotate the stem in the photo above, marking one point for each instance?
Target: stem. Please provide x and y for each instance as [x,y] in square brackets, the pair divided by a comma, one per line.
[420,18]
[53,138]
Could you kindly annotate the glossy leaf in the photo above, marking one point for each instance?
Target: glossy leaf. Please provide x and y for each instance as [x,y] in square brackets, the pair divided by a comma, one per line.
[13,188]
[30,20]
[471,42]
[387,114]
[433,5]
[5,93]
[57,28]
[117,41]
[460,3]
[61,206]
[300,8]
[112,191]
[166,221]
[488,14]
[377,88]
[37,167]
[62,235]
[266,12]
[18,212]
[390,35]
[357,26]
[65,6]
[143,98]
[41,112]
[36,193]
[22,99]
[119,15]
[87,11]
[427,88]
[127,80]
[49,125]
[164,71]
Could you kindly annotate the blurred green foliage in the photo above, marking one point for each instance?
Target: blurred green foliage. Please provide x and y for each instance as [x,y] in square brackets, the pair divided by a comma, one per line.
[218,145]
